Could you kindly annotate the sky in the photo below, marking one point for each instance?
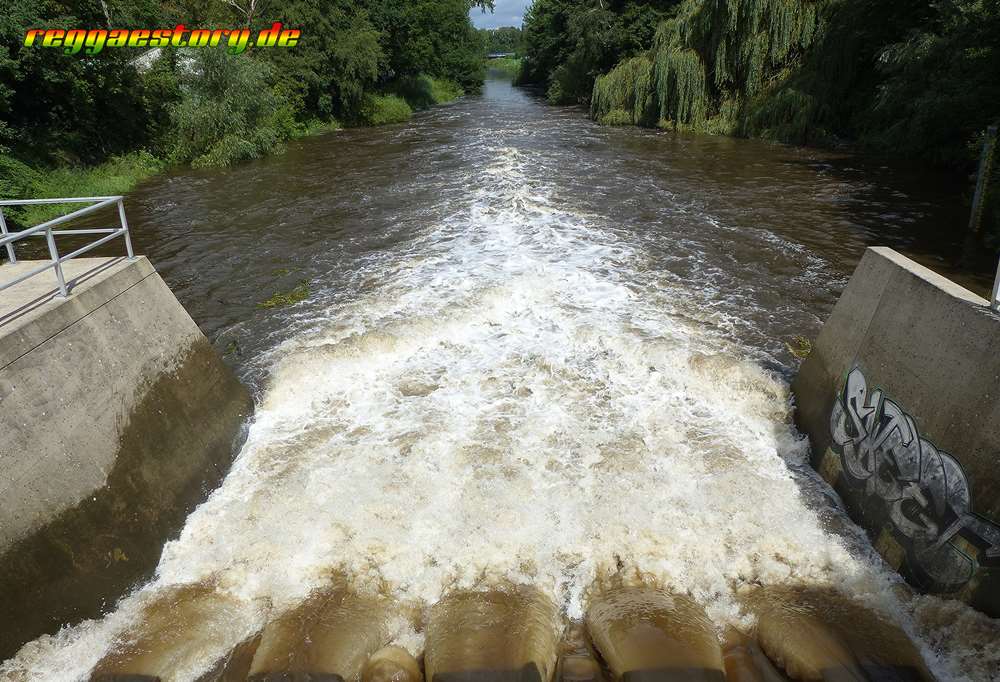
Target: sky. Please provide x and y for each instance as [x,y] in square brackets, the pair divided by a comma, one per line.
[507,13]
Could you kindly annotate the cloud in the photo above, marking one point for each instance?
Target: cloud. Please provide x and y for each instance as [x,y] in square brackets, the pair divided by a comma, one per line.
[506,13]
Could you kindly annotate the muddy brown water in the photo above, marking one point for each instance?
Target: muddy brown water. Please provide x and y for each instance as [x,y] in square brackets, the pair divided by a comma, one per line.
[500,344]
[766,233]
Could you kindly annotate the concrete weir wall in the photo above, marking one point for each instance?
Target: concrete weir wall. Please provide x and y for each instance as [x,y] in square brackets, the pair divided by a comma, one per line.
[900,397]
[117,417]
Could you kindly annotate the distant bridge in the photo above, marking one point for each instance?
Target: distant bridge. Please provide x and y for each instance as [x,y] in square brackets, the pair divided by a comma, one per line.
[498,55]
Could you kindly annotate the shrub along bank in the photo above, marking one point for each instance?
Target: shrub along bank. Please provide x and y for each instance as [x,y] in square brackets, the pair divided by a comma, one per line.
[89,125]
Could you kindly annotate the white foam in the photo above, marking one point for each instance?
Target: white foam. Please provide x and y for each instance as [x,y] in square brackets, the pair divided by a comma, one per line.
[519,397]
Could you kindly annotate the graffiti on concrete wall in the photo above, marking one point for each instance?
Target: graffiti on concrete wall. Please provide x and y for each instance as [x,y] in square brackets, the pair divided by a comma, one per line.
[906,482]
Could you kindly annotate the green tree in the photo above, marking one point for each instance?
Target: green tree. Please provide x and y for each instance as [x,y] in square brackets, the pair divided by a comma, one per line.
[76,108]
[502,40]
[569,43]
[434,37]
[232,110]
[339,57]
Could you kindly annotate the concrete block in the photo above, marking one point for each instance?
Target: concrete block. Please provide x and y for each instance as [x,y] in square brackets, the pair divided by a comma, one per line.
[118,417]
[899,398]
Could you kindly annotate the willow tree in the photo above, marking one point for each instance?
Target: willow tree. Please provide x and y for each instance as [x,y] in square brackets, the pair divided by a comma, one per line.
[710,57]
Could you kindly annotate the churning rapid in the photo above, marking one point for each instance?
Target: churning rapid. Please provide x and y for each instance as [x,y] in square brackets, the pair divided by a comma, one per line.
[554,352]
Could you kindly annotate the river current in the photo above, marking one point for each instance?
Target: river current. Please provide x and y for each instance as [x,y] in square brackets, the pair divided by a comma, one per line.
[528,349]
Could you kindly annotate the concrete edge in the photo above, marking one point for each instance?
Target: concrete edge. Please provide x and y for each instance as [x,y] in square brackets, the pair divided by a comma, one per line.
[929,276]
[85,298]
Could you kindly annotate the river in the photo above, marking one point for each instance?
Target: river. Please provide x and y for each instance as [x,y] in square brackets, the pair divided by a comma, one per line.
[531,349]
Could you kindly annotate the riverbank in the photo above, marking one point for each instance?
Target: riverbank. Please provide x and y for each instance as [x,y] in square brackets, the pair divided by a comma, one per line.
[365,63]
[120,174]
[921,86]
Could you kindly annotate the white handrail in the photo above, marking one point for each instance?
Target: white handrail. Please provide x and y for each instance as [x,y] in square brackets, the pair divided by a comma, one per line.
[7,239]
[995,299]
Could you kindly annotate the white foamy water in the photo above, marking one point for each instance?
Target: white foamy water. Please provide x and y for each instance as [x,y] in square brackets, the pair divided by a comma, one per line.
[518,396]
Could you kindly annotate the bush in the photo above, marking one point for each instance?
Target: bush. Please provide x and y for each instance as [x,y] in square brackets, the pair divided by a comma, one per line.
[17,180]
[444,91]
[231,111]
[379,110]
[510,66]
[616,117]
[423,91]
[627,91]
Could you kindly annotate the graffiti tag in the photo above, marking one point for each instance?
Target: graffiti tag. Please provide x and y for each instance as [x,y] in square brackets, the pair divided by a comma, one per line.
[921,490]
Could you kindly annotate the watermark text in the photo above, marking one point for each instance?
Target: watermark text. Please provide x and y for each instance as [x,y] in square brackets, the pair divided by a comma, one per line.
[93,41]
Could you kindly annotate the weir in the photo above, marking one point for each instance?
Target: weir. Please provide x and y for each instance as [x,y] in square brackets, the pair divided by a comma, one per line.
[491,419]
[637,632]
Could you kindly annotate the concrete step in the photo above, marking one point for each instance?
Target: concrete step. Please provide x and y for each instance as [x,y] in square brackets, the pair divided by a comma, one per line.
[502,635]
[632,633]
[646,634]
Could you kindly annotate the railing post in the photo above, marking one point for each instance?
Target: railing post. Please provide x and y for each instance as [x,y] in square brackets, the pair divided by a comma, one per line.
[985,166]
[128,237]
[995,300]
[3,230]
[54,254]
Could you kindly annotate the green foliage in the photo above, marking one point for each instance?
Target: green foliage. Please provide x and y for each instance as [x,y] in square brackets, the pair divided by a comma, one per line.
[681,89]
[617,117]
[507,39]
[568,43]
[712,55]
[434,37]
[510,66]
[118,175]
[423,91]
[939,85]
[340,56]
[789,114]
[17,179]
[231,111]
[379,110]
[209,108]
[70,109]
[625,95]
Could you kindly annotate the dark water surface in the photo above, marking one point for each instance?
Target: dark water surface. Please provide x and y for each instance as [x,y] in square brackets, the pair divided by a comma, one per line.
[767,232]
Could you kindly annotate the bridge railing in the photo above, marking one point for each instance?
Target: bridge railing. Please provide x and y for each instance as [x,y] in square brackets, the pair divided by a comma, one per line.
[7,239]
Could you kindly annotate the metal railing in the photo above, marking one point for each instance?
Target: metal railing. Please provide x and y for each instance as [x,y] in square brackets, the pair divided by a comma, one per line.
[45,230]
[995,298]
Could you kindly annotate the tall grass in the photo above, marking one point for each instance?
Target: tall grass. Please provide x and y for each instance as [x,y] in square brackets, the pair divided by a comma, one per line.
[423,91]
[115,176]
[379,110]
